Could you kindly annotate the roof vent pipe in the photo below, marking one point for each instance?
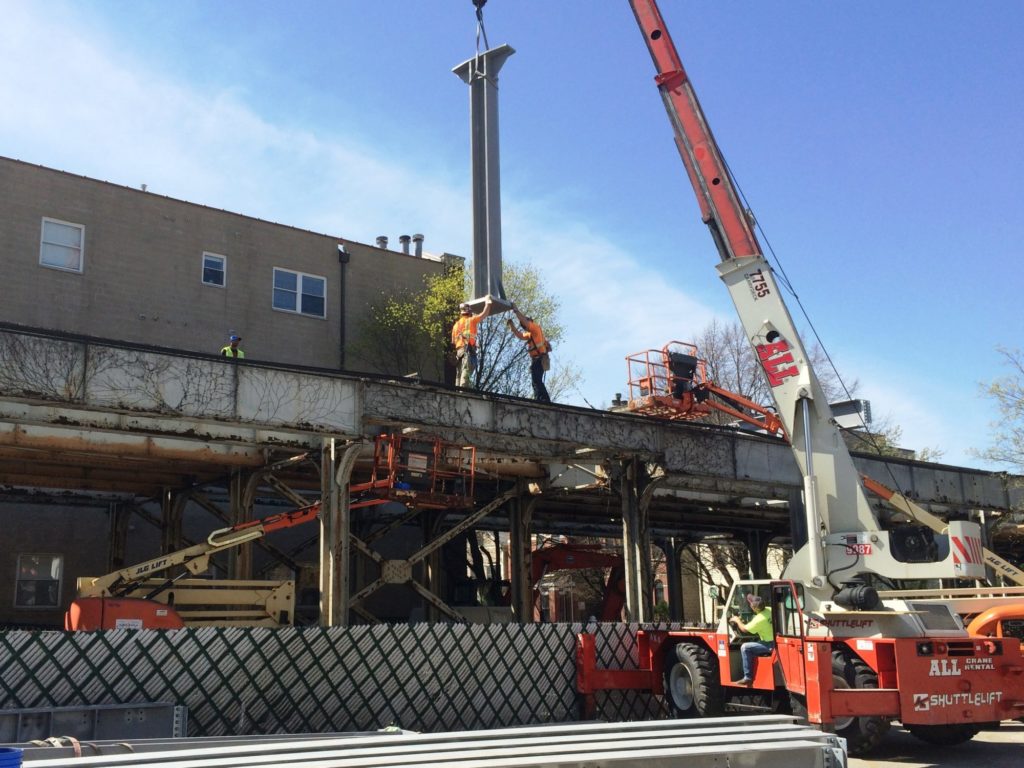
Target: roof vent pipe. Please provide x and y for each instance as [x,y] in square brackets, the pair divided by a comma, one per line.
[404,240]
[418,243]
[382,241]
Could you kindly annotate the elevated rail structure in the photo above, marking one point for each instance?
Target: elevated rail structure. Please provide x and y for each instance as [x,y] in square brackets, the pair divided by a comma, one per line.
[82,417]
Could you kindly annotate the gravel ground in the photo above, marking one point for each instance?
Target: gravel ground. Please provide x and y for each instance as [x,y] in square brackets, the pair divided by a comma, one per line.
[1002,748]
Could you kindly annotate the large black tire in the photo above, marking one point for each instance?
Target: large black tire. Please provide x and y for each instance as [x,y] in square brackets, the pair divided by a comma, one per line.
[862,734]
[692,687]
[798,708]
[944,735]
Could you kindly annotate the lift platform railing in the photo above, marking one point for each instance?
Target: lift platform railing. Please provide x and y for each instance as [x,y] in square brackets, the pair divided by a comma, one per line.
[672,383]
[423,471]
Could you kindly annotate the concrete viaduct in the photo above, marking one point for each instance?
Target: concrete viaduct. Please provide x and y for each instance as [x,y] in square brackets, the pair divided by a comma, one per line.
[81,416]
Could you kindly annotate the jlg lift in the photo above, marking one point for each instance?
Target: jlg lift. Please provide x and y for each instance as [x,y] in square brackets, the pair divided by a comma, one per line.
[421,472]
[842,655]
[672,383]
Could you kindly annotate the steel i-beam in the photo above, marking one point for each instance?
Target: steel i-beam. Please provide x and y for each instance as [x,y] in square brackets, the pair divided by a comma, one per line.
[481,74]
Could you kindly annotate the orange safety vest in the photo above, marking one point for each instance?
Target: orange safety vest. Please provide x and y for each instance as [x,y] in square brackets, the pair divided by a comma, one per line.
[464,331]
[536,344]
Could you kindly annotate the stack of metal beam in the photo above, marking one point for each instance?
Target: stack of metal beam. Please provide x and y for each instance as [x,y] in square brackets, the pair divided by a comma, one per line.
[768,741]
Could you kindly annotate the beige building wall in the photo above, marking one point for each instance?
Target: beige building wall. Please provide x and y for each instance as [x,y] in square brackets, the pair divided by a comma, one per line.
[141,278]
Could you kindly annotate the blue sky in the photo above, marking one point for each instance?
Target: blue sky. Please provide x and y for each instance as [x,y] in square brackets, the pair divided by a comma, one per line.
[879,144]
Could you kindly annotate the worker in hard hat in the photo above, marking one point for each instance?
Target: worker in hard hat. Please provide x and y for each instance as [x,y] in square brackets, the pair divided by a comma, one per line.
[464,339]
[539,349]
[231,349]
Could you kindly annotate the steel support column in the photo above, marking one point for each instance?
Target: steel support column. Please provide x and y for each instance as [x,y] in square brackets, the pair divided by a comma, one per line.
[430,525]
[635,487]
[757,545]
[520,555]
[673,549]
[336,464]
[241,495]
[120,514]
[172,508]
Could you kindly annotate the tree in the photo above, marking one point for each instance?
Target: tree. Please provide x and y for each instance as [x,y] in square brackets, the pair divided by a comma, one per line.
[504,365]
[410,332]
[407,332]
[1008,441]
[733,366]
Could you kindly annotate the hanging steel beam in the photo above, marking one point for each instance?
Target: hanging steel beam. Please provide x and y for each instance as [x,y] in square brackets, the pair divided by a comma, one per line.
[481,74]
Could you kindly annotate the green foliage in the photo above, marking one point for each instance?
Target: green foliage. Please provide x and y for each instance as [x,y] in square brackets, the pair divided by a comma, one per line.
[661,611]
[411,333]
[406,332]
[504,362]
[1008,440]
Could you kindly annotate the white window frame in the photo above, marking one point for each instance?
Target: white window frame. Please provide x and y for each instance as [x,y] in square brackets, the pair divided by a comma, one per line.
[223,265]
[81,244]
[18,580]
[298,293]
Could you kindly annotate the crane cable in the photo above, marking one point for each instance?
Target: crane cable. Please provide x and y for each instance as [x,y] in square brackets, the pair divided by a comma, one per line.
[872,439]
[480,31]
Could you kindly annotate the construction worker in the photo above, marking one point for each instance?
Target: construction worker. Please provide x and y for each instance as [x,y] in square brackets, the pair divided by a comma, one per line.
[464,339]
[539,349]
[232,349]
[760,625]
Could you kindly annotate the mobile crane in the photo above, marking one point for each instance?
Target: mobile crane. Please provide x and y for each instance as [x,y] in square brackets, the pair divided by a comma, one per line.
[843,656]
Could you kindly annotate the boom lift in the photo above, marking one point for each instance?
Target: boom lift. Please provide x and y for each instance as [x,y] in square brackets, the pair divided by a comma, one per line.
[130,598]
[416,471]
[843,655]
[672,383]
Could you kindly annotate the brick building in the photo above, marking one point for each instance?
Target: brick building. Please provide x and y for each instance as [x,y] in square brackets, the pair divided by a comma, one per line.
[92,258]
[100,259]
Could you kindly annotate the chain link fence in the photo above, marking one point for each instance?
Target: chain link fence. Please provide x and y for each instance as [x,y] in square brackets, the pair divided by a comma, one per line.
[422,677]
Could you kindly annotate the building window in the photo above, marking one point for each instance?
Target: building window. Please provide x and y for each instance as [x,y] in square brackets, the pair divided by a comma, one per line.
[38,581]
[215,270]
[299,292]
[62,245]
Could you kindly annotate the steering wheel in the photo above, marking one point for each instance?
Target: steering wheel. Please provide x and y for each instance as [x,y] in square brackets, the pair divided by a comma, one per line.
[734,634]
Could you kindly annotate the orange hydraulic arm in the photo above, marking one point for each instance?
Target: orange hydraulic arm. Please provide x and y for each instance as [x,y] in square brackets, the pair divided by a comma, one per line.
[559,557]
[672,383]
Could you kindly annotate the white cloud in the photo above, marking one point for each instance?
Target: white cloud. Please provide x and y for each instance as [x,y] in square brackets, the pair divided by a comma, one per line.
[612,305]
[932,413]
[82,105]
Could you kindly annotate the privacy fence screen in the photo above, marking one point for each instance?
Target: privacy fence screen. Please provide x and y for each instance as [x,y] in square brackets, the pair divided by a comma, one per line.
[421,677]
